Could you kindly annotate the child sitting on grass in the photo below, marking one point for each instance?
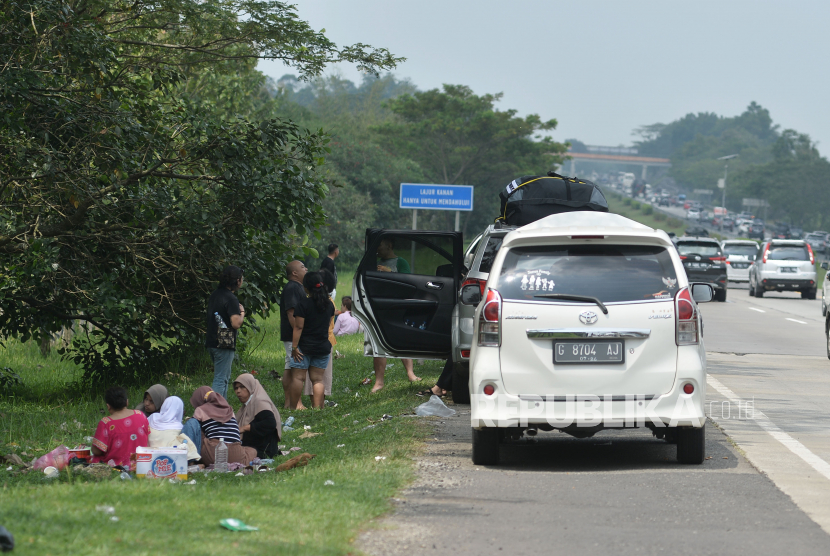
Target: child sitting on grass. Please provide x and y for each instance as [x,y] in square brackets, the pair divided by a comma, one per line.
[118,435]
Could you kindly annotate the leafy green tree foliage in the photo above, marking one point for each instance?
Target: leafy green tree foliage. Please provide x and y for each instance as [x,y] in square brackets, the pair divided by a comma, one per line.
[795,183]
[127,181]
[696,141]
[458,137]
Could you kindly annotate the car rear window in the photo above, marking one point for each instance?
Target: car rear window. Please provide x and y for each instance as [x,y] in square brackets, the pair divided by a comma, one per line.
[738,249]
[608,272]
[489,255]
[702,248]
[788,253]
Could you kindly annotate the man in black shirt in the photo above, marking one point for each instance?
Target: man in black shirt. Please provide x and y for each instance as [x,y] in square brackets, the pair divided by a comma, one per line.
[224,303]
[292,294]
[328,264]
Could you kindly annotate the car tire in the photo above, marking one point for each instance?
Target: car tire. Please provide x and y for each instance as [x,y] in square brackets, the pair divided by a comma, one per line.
[486,446]
[720,295]
[827,334]
[751,289]
[823,308]
[461,383]
[691,445]
[811,294]
[759,291]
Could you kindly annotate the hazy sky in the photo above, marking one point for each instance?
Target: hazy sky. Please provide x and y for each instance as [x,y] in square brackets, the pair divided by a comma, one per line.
[603,68]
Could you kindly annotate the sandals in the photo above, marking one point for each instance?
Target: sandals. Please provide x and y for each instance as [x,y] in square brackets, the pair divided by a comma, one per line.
[428,392]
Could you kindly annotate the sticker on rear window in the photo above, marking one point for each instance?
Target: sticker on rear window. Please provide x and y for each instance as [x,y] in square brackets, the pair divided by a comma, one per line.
[671,283]
[536,283]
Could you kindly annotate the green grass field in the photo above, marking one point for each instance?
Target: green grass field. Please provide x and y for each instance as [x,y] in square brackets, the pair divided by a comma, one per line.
[295,511]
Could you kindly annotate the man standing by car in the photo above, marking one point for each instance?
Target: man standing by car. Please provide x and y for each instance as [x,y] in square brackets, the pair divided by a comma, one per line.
[292,294]
[328,264]
[224,303]
[388,261]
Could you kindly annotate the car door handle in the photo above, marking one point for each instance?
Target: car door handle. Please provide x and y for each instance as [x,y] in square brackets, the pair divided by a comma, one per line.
[435,285]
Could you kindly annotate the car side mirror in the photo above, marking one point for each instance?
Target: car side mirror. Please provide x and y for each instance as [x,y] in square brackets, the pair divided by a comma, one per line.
[702,293]
[825,265]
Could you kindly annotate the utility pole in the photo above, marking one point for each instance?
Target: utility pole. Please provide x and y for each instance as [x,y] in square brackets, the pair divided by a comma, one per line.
[722,185]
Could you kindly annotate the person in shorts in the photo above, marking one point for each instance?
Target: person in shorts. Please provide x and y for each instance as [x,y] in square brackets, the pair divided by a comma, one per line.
[311,348]
[292,294]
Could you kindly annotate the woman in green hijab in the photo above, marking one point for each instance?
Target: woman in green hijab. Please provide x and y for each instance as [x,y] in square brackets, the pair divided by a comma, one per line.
[154,396]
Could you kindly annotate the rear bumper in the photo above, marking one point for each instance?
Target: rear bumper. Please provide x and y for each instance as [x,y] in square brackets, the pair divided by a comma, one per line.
[788,284]
[737,274]
[613,410]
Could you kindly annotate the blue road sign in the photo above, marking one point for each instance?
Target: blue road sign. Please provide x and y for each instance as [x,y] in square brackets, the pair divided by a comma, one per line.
[434,196]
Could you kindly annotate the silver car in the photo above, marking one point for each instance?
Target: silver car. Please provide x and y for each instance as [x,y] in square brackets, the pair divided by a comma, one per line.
[784,265]
[740,256]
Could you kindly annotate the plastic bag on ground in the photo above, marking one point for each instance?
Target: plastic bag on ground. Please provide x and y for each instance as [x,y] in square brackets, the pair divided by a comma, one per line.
[58,458]
[434,407]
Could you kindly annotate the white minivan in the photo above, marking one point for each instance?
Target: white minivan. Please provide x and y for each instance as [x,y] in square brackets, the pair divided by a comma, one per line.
[588,322]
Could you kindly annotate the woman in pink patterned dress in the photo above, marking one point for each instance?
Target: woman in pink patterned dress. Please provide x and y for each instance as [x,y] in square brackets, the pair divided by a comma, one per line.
[118,435]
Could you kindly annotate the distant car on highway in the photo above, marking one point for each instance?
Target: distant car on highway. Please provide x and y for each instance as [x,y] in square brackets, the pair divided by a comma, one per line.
[817,240]
[756,230]
[781,231]
[784,265]
[696,231]
[796,232]
[740,255]
[693,214]
[704,261]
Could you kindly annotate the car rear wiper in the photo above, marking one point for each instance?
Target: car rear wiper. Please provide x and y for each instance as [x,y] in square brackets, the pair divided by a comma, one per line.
[570,297]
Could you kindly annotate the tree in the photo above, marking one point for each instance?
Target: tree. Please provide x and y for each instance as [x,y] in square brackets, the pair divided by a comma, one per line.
[458,137]
[128,178]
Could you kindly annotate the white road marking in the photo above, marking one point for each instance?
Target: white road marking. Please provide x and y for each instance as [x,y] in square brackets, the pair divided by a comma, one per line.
[759,310]
[764,422]
[794,320]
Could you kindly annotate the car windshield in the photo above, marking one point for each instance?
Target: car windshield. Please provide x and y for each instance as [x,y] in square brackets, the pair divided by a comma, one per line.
[610,273]
[703,248]
[788,253]
[738,249]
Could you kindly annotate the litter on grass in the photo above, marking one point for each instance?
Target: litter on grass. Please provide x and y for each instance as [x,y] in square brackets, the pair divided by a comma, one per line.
[341,445]
[380,458]
[308,434]
[328,483]
[434,407]
[307,427]
[105,509]
[386,417]
[236,525]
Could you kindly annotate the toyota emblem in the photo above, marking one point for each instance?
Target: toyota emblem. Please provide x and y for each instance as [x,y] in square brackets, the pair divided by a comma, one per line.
[697,258]
[588,317]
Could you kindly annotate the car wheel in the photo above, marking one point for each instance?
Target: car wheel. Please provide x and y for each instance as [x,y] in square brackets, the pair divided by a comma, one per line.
[691,445]
[827,334]
[759,291]
[812,294]
[461,383]
[751,289]
[823,308]
[486,446]
[720,295]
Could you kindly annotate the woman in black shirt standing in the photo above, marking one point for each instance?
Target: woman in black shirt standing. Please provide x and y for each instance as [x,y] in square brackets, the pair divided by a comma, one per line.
[310,347]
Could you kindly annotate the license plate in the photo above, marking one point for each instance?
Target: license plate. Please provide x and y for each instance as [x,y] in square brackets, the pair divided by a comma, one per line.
[788,269]
[697,265]
[589,352]
[740,266]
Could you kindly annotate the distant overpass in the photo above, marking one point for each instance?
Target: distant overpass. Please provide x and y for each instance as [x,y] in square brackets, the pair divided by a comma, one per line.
[617,155]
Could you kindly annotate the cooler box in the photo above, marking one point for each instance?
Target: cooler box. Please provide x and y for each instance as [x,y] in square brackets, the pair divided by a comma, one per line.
[161,463]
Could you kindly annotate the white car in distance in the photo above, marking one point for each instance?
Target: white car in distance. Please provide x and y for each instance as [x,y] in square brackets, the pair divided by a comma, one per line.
[693,214]
[740,256]
[588,322]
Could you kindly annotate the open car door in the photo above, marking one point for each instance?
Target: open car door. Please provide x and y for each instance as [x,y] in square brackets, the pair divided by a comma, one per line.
[404,292]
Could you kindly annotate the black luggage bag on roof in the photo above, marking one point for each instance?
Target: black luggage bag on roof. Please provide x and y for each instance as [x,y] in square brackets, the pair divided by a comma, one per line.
[531,198]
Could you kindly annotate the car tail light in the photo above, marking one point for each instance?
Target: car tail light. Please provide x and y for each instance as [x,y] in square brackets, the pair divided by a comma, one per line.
[686,319]
[489,320]
[465,353]
[812,258]
[718,259]
[475,282]
[766,252]
[683,257]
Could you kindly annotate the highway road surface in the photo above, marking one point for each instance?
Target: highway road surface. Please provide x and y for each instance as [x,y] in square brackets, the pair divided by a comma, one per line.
[765,488]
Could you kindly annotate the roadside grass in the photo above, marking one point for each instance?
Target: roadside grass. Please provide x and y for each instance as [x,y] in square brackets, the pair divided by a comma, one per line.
[295,511]
[654,219]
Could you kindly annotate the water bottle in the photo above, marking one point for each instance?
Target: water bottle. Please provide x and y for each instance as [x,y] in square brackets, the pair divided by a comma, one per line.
[289,422]
[220,462]
[219,320]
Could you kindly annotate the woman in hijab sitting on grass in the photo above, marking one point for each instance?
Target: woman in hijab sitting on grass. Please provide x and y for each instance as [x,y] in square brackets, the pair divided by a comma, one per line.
[217,422]
[258,418]
[166,428]
[154,397]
